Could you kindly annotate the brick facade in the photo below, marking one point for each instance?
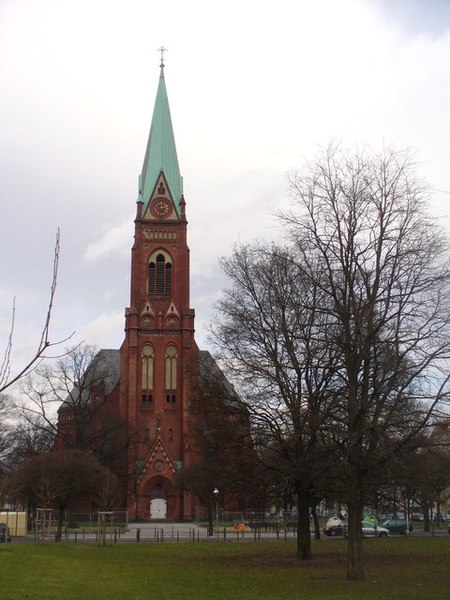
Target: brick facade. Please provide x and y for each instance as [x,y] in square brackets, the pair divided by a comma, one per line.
[158,319]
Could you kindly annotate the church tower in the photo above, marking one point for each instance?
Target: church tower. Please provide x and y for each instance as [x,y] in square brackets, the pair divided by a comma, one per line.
[159,356]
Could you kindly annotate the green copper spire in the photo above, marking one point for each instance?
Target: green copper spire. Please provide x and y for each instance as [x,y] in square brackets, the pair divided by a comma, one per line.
[161,154]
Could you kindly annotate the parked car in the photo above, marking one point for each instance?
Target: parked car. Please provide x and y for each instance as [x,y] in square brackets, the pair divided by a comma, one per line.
[5,535]
[369,529]
[372,530]
[337,529]
[398,525]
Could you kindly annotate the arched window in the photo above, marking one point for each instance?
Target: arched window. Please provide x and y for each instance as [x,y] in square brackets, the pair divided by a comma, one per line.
[147,357]
[160,275]
[171,367]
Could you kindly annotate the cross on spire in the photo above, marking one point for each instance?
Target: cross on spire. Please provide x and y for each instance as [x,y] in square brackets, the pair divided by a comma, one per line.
[162,50]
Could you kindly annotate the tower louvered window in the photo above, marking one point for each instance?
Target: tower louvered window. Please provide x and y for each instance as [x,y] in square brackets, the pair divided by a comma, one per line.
[168,278]
[160,276]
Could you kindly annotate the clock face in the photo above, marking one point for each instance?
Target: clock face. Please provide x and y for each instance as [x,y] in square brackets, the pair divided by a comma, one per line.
[161,208]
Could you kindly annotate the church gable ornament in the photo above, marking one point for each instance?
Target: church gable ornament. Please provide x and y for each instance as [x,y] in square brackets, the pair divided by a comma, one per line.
[158,462]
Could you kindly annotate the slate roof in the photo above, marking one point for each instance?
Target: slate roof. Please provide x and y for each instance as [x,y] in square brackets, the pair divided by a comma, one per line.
[109,362]
[106,367]
[212,374]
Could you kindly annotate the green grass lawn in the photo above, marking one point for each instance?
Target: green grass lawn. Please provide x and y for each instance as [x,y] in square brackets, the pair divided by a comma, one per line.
[396,568]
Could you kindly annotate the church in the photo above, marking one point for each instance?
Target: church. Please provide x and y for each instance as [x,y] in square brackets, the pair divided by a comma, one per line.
[148,384]
[159,352]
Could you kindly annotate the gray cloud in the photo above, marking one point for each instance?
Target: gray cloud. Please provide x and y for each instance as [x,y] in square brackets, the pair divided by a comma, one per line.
[78,85]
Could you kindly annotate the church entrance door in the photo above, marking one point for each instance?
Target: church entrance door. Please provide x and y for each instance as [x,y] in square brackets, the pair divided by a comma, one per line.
[158,508]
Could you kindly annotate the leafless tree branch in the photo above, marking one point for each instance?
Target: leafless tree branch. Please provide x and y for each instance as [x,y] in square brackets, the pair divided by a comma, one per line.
[6,380]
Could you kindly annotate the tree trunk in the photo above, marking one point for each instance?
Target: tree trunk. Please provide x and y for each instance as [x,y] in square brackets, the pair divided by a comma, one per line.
[355,568]
[303,527]
[426,516]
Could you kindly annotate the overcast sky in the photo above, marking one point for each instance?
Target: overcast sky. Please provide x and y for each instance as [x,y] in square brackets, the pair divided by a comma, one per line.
[255,89]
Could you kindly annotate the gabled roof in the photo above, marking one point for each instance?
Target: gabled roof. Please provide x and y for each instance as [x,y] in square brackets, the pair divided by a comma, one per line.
[161,154]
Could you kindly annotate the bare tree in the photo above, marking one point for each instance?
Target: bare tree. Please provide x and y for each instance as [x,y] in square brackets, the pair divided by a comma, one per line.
[58,479]
[72,398]
[7,378]
[64,383]
[5,427]
[365,238]
[272,330]
[17,442]
[427,475]
[25,441]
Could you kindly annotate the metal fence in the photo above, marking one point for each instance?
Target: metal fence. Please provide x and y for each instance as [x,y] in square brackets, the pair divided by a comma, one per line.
[175,533]
[106,531]
[111,527]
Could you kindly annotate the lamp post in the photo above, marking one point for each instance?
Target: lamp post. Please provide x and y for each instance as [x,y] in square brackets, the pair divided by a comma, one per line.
[216,494]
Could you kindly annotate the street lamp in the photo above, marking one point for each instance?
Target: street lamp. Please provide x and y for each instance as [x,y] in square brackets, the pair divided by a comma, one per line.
[216,494]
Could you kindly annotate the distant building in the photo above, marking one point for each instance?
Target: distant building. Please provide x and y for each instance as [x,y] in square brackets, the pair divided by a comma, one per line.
[149,382]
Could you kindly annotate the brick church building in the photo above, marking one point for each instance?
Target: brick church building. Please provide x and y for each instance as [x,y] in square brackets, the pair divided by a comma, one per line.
[159,351]
[148,384]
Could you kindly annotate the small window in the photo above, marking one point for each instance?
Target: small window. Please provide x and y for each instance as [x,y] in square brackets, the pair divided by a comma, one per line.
[170,435]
